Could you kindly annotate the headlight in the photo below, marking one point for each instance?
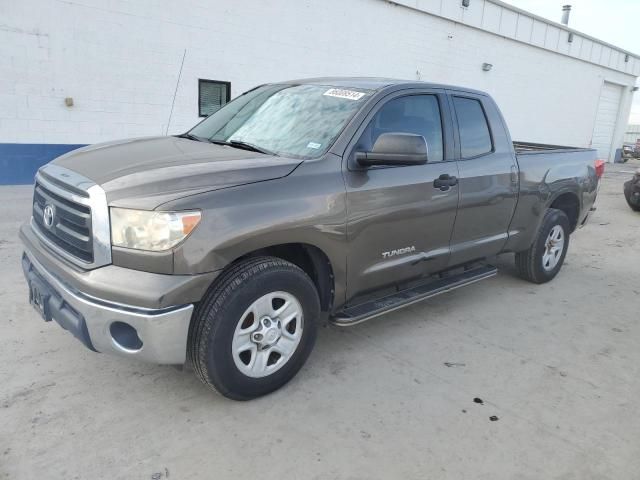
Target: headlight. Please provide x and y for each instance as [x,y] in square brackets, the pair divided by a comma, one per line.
[155,231]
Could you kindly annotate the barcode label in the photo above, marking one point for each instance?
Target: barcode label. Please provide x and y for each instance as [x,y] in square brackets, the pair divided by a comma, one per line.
[341,93]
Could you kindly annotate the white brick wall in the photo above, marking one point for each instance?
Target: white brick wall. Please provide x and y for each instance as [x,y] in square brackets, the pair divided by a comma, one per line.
[119,60]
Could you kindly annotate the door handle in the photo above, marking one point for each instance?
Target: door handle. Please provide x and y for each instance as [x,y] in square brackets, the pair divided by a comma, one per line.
[445,181]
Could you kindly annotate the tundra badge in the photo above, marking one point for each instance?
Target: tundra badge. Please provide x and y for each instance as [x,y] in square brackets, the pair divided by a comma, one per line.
[400,251]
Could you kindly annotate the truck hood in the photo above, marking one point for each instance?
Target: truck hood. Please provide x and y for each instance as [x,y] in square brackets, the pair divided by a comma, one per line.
[146,172]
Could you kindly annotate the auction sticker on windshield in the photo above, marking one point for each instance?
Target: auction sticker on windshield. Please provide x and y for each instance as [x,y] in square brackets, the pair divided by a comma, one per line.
[342,93]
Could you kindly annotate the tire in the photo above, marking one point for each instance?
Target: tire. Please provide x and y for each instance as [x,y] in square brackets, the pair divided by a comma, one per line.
[540,264]
[635,208]
[628,190]
[230,318]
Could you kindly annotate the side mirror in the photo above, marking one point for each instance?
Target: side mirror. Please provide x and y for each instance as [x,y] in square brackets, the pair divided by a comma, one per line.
[395,149]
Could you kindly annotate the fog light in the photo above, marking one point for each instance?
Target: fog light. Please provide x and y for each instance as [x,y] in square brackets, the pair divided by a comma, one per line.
[125,336]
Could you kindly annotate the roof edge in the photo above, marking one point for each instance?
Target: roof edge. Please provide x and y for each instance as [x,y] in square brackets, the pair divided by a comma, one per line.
[561,26]
[447,12]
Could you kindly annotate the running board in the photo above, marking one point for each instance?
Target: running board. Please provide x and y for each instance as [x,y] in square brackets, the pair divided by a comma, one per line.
[368,310]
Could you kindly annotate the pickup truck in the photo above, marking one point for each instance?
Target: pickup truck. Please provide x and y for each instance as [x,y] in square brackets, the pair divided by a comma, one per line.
[336,199]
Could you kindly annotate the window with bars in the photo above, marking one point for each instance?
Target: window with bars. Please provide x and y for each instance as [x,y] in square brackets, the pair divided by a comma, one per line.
[212,95]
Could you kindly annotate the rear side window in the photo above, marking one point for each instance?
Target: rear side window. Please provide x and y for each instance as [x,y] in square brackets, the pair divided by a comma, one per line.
[417,114]
[475,138]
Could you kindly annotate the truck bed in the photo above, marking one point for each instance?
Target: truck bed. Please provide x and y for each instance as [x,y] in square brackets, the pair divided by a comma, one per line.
[526,148]
[544,171]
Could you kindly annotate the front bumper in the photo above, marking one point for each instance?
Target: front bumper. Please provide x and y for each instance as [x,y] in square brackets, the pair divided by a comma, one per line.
[116,310]
[106,327]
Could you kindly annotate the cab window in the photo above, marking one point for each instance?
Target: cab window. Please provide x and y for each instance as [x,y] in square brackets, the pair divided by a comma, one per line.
[475,137]
[417,114]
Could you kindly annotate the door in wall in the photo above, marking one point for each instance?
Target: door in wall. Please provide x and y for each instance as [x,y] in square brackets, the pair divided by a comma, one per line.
[606,119]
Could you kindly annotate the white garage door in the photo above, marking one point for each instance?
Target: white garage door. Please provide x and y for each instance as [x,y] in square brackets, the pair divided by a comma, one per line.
[606,118]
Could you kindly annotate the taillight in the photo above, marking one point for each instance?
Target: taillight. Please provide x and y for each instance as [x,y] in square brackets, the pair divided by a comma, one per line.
[599,168]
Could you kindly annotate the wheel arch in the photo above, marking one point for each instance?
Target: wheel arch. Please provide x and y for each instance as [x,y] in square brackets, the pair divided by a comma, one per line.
[569,203]
[311,259]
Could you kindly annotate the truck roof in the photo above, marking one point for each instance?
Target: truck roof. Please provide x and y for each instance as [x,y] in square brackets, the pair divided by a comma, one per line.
[374,83]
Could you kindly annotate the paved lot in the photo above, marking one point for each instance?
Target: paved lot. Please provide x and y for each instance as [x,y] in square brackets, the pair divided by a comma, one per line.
[557,364]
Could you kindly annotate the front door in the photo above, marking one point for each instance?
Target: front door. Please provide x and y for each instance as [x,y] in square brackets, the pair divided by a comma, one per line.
[399,224]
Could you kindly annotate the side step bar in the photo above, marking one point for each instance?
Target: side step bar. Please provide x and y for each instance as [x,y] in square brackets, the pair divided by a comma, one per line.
[368,310]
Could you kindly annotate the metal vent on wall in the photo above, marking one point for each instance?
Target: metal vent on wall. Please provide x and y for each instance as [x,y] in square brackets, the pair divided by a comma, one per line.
[212,95]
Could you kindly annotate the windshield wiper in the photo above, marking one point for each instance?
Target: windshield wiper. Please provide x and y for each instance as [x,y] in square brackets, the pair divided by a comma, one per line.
[232,143]
[193,137]
[250,146]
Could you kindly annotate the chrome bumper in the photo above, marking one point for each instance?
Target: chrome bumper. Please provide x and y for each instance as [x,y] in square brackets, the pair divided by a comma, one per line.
[106,327]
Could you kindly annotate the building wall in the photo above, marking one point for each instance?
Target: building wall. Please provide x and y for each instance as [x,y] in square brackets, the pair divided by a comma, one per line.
[120,61]
[632,134]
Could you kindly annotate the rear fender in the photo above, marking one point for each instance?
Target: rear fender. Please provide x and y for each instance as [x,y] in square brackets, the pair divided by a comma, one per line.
[540,188]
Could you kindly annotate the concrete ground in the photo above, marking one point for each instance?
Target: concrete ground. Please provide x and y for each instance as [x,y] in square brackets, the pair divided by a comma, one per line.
[557,365]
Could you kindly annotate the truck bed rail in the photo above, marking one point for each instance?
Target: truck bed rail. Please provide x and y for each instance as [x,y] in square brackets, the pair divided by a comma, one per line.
[529,148]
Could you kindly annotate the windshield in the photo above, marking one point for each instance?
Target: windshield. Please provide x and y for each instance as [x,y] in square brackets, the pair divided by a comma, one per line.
[290,120]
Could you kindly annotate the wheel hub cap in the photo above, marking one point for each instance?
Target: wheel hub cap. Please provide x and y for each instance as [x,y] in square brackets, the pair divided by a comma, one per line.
[267,334]
[554,246]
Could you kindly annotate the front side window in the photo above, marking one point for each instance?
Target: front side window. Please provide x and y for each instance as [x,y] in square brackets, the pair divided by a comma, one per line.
[475,138]
[416,114]
[301,121]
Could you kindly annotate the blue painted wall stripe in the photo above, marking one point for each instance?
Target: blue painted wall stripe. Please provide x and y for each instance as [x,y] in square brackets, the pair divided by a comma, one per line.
[19,162]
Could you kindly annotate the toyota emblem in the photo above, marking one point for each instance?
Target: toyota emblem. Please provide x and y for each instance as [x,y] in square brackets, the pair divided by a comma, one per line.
[48,215]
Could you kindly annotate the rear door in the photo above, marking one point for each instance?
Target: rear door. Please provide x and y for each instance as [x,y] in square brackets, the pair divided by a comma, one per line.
[399,224]
[488,179]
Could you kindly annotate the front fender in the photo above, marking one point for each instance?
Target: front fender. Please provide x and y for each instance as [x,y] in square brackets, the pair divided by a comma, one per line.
[308,207]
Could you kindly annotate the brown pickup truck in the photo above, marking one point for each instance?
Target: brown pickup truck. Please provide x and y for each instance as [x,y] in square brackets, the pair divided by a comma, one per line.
[334,198]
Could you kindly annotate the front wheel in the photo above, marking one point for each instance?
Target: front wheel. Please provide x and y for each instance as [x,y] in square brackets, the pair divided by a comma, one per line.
[544,258]
[255,328]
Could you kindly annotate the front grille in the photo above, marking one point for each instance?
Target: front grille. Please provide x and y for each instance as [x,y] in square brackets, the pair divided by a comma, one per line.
[70,224]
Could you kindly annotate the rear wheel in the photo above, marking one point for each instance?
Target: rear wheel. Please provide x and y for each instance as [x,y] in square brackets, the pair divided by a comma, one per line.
[544,258]
[255,328]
